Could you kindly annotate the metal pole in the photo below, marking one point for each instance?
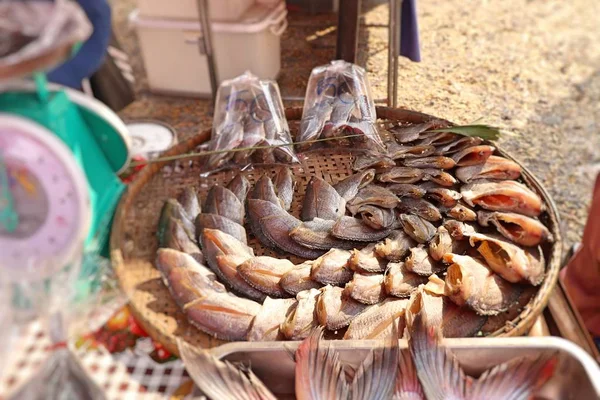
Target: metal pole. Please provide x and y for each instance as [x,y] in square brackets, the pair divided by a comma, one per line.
[393,50]
[206,45]
[347,38]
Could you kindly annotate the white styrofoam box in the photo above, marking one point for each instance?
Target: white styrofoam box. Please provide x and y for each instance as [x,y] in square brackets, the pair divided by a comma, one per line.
[173,61]
[219,10]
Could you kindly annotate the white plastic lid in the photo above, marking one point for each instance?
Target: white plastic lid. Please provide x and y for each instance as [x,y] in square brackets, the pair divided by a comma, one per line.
[149,138]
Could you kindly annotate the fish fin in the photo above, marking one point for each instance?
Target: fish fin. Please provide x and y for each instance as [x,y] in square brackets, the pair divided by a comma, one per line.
[319,372]
[438,370]
[408,386]
[515,379]
[376,375]
[220,379]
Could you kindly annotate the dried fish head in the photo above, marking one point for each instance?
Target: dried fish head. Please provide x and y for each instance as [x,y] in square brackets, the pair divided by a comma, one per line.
[373,195]
[284,186]
[366,288]
[438,176]
[367,260]
[336,310]
[189,201]
[332,268]
[473,155]
[401,282]
[407,190]
[240,186]
[462,213]
[302,319]
[398,151]
[175,237]
[222,201]
[401,175]
[350,228]
[266,324]
[379,163]
[214,221]
[173,210]
[395,246]
[417,228]
[461,143]
[264,189]
[419,207]
[376,217]
[421,263]
[446,197]
[316,234]
[440,162]
[459,230]
[440,244]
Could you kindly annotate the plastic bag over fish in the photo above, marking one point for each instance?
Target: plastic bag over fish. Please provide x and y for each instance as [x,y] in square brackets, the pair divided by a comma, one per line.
[250,121]
[339,106]
[35,35]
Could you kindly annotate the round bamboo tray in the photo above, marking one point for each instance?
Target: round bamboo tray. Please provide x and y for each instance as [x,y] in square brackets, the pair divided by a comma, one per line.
[133,239]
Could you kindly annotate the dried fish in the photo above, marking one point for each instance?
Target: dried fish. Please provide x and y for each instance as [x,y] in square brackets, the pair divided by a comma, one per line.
[336,310]
[438,176]
[421,208]
[510,261]
[239,186]
[173,210]
[376,217]
[516,227]
[367,260]
[409,133]
[473,155]
[377,321]
[470,282]
[495,168]
[459,230]
[175,237]
[401,282]
[316,234]
[446,197]
[264,273]
[274,224]
[395,246]
[462,213]
[266,324]
[189,201]
[406,190]
[366,288]
[379,163]
[496,322]
[372,195]
[302,319]
[417,228]
[284,186]
[332,268]
[313,121]
[264,189]
[440,244]
[421,263]
[224,202]
[298,279]
[509,196]
[224,224]
[440,162]
[349,187]
[349,228]
[321,200]
[461,143]
[401,175]
[398,151]
[439,139]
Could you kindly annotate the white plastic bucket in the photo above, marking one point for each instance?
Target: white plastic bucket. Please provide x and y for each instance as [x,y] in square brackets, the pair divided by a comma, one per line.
[219,10]
[174,64]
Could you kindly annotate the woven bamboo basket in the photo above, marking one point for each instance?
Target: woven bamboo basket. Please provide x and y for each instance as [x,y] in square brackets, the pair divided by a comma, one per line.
[133,239]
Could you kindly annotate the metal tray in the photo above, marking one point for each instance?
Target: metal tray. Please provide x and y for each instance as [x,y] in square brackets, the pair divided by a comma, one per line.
[577,376]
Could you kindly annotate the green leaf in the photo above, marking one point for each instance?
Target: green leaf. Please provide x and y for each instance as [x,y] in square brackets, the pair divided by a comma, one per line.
[483,131]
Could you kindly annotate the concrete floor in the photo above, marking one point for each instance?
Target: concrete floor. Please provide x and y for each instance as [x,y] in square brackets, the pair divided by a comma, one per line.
[529,66]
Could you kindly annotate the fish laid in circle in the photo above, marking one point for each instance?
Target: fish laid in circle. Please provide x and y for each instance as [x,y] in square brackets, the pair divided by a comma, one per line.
[174,236]
[189,201]
[264,189]
[173,210]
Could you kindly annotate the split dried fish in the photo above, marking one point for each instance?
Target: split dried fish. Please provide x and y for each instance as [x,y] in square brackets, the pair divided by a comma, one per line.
[335,310]
[240,186]
[407,190]
[510,261]
[461,143]
[284,186]
[224,224]
[473,155]
[321,200]
[222,201]
[266,324]
[274,223]
[350,228]
[368,161]
[508,196]
[399,151]
[303,317]
[264,273]
[462,213]
[516,227]
[298,279]
[349,187]
[377,217]
[173,210]
[446,197]
[440,162]
[366,288]
[174,236]
[372,195]
[332,268]
[189,201]
[401,282]
[401,175]
[421,263]
[495,168]
[459,230]
[395,246]
[421,208]
[367,259]
[439,176]
[264,189]
[440,244]
[313,122]
[417,228]
[377,321]
[409,133]
[470,282]
[316,234]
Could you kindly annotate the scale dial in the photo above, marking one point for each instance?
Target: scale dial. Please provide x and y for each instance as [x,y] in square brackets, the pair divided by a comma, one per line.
[44,188]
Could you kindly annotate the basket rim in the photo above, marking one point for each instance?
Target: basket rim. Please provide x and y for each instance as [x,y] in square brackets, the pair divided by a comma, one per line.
[516,327]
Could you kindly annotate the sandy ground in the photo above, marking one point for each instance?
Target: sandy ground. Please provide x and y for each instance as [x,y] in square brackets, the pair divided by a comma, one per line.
[530,66]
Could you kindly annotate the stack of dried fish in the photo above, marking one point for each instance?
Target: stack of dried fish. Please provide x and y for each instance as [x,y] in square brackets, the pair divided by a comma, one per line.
[439,224]
[425,370]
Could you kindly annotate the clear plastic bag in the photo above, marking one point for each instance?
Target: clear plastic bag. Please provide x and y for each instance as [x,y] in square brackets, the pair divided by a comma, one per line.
[339,106]
[38,34]
[249,113]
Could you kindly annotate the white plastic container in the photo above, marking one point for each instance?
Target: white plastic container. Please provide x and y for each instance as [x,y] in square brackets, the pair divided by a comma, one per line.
[173,60]
[219,10]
